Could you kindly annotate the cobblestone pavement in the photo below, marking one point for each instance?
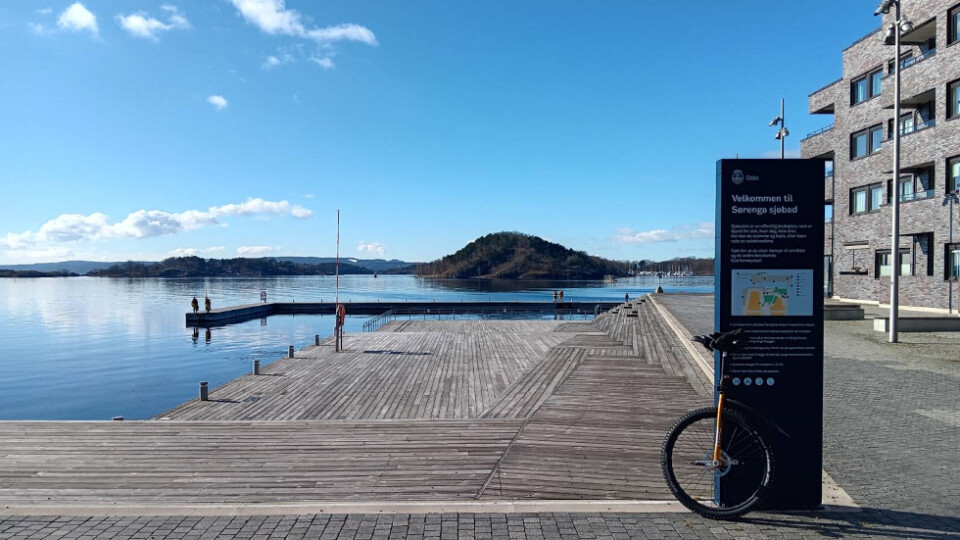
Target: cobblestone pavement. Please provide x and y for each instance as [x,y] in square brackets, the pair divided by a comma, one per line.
[891,440]
[869,524]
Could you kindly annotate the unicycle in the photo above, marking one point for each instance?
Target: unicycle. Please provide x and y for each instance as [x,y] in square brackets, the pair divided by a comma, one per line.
[716,460]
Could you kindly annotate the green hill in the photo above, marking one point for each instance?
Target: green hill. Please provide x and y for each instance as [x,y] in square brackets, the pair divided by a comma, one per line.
[513,255]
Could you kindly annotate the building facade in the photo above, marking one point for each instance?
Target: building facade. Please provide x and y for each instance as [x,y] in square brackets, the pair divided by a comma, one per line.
[859,148]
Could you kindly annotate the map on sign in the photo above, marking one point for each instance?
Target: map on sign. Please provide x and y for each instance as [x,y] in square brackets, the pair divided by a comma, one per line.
[771,293]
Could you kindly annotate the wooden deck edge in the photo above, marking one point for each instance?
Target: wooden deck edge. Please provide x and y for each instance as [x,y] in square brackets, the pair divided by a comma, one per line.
[372,507]
[701,366]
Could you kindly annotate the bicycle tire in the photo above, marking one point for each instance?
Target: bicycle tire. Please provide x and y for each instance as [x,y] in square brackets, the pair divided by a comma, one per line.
[742,484]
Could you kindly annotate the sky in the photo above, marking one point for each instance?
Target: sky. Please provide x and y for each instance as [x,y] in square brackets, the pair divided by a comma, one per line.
[139,130]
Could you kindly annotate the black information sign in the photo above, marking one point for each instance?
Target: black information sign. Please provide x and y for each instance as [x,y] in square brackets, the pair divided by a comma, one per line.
[769,281]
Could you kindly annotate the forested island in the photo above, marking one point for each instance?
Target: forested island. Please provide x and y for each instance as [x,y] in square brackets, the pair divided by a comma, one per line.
[240,267]
[513,255]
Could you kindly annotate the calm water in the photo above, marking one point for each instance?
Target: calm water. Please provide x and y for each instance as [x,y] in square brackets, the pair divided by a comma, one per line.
[94,348]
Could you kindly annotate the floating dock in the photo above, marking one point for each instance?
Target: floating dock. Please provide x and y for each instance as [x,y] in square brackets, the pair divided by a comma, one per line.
[237,314]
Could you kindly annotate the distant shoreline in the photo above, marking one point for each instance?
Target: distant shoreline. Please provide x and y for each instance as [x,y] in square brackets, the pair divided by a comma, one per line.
[31,274]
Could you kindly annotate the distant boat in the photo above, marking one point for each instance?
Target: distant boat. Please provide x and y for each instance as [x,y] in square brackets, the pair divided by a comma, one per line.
[374,275]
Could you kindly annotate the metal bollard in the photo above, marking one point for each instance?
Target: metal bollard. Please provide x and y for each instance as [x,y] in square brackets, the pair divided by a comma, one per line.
[290,353]
[316,339]
[256,367]
[203,391]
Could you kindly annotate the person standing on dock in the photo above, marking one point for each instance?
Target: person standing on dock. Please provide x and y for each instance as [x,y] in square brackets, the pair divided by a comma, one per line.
[626,297]
[554,296]
[561,296]
[195,305]
[206,304]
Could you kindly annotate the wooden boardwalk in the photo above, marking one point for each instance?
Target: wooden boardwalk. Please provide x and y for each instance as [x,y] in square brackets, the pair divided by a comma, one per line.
[421,410]
[409,370]
[212,462]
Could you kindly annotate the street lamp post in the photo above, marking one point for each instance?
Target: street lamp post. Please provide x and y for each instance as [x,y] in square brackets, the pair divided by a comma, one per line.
[899,26]
[951,199]
[782,132]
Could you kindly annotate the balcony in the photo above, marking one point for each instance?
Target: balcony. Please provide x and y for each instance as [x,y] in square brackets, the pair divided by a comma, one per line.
[917,126]
[919,144]
[823,101]
[918,195]
[910,61]
[817,132]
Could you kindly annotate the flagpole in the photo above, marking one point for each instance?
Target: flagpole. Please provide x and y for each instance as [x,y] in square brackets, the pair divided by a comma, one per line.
[338,258]
[337,330]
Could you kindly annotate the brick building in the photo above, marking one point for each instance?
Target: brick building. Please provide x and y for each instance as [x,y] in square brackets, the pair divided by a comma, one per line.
[859,147]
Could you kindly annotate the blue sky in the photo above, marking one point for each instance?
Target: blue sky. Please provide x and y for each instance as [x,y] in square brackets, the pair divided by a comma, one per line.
[141,129]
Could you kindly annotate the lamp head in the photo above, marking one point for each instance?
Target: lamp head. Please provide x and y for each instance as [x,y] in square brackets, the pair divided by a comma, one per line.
[775,121]
[891,35]
[884,7]
[906,26]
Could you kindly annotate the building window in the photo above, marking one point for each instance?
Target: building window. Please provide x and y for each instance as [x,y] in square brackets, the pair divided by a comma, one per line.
[953,99]
[866,142]
[883,268]
[876,139]
[866,87]
[876,196]
[953,261]
[866,198]
[953,175]
[858,201]
[876,82]
[953,25]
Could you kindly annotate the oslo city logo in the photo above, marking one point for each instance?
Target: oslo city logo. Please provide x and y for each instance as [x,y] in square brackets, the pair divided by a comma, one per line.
[737,177]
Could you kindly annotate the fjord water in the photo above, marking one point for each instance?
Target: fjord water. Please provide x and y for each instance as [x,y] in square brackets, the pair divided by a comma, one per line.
[94,348]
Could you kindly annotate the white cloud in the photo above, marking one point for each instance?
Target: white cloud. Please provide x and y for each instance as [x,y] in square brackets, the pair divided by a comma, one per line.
[374,248]
[176,18]
[309,196]
[674,234]
[17,241]
[184,252]
[45,254]
[38,28]
[44,11]
[143,26]
[77,18]
[219,102]
[273,17]
[347,32]
[191,252]
[245,251]
[274,61]
[145,223]
[326,62]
